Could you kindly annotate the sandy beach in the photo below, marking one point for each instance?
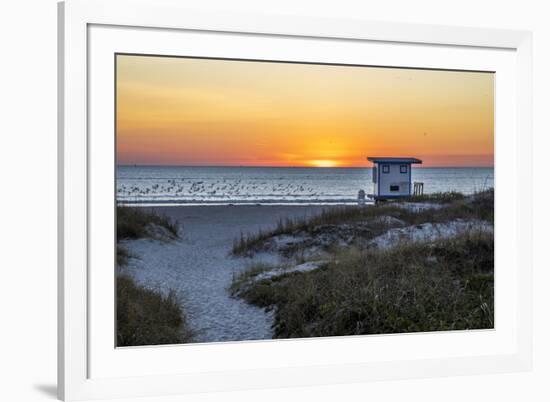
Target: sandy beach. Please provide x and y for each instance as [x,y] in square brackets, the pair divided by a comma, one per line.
[246,168]
[199,269]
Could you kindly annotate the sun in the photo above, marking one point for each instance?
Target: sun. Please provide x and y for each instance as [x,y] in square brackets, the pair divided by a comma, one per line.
[323,163]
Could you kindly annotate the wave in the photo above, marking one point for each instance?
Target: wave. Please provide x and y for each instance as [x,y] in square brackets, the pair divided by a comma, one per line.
[272,201]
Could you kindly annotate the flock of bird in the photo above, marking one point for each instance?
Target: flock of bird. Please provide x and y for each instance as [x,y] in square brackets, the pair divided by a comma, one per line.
[223,188]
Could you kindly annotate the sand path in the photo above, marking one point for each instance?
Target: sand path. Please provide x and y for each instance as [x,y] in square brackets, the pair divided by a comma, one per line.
[198,266]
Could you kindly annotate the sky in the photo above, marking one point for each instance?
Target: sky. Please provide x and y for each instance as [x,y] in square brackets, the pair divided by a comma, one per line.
[205,112]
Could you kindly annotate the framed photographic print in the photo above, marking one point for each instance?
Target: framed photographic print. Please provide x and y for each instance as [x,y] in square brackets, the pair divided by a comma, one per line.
[252,201]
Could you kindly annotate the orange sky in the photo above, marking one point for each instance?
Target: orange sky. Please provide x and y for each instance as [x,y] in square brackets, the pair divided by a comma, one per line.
[178,111]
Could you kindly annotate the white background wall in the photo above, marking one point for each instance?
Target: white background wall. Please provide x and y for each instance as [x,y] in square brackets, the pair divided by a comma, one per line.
[28,199]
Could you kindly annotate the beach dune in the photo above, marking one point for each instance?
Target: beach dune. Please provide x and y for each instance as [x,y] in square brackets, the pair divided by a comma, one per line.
[199,267]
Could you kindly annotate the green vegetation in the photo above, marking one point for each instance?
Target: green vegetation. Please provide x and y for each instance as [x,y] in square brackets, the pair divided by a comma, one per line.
[145,316]
[122,256]
[453,206]
[411,287]
[447,285]
[243,278]
[446,197]
[135,223]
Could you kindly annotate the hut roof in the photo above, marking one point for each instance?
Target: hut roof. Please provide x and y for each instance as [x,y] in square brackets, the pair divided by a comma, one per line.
[379,159]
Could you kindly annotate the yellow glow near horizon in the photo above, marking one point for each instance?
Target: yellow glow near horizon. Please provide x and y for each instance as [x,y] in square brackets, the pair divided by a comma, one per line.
[323,163]
[224,112]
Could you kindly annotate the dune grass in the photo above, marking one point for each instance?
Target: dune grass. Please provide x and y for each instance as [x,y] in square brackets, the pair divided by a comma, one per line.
[478,206]
[135,223]
[444,197]
[145,316]
[447,285]
[412,287]
[335,215]
[122,256]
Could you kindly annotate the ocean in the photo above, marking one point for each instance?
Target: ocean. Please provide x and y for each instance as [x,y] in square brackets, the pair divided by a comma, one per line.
[186,185]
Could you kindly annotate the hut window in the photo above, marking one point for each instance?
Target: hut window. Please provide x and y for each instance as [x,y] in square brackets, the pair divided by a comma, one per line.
[394,187]
[403,168]
[385,168]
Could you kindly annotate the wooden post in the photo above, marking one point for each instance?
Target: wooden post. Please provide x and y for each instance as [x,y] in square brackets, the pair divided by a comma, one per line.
[418,189]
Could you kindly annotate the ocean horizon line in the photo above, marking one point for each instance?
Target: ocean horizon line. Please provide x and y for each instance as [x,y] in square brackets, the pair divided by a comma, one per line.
[295,167]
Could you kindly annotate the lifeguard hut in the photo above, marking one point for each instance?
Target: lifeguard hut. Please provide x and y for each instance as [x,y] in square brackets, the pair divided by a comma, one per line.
[391,177]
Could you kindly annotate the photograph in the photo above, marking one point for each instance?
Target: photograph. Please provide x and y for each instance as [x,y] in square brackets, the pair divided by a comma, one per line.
[264,199]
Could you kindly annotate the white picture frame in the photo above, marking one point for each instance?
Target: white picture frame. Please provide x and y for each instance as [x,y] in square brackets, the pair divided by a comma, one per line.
[89,368]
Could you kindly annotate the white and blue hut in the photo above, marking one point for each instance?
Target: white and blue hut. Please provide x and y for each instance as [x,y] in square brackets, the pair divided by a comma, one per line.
[391,177]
